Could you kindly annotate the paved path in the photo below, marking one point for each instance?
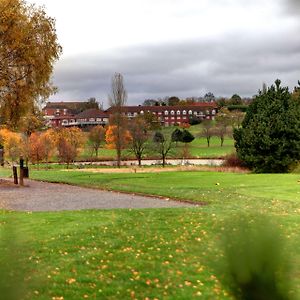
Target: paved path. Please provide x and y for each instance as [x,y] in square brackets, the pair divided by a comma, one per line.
[42,196]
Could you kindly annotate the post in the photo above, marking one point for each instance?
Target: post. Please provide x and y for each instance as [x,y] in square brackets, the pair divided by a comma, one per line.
[15,173]
[21,171]
[1,155]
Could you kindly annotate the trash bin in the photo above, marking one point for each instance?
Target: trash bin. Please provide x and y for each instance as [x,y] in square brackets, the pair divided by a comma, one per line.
[25,172]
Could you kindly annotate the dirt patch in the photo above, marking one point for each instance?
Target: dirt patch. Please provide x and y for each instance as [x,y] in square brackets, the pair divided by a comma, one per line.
[7,183]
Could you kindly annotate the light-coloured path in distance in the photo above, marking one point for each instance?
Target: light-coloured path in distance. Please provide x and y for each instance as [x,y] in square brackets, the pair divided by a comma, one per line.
[43,196]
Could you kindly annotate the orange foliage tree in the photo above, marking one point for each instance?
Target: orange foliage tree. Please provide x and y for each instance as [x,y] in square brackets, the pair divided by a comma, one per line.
[12,143]
[36,148]
[117,137]
[69,142]
[28,51]
[48,139]
[41,146]
[117,100]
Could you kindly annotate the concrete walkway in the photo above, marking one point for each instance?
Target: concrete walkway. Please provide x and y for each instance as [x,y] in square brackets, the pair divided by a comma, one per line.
[43,196]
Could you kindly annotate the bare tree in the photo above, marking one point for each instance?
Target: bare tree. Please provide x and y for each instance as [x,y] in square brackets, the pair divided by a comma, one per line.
[163,145]
[117,100]
[207,130]
[223,120]
[138,130]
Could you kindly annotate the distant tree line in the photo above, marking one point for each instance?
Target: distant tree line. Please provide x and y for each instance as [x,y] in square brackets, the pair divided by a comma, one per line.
[234,100]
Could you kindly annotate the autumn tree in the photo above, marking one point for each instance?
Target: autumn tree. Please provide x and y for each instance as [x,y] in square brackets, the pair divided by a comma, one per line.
[69,142]
[28,51]
[117,137]
[36,148]
[163,145]
[48,139]
[41,146]
[117,100]
[152,120]
[32,121]
[139,132]
[66,152]
[12,144]
[96,137]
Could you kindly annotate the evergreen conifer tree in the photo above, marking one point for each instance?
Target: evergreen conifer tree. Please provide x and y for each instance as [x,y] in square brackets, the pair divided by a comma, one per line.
[269,138]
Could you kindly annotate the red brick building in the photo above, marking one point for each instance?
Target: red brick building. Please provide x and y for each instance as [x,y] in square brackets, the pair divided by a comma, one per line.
[63,114]
[172,115]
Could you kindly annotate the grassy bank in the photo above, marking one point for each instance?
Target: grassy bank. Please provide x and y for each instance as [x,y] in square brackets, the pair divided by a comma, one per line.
[150,253]
[277,191]
[128,254]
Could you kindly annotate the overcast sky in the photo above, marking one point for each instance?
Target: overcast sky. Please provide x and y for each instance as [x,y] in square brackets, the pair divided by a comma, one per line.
[174,47]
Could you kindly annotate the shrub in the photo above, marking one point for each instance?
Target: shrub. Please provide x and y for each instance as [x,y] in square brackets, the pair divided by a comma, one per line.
[232,160]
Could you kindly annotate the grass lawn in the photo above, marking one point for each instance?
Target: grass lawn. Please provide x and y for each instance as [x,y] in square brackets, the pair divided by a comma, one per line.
[150,253]
[219,188]
[198,148]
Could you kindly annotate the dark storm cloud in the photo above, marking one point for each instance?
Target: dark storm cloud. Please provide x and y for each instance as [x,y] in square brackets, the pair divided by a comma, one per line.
[224,66]
[292,6]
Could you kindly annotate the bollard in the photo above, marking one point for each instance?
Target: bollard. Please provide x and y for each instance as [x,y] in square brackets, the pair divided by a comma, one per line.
[15,173]
[21,171]
[1,155]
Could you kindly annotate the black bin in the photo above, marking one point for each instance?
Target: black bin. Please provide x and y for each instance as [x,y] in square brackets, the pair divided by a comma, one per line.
[25,172]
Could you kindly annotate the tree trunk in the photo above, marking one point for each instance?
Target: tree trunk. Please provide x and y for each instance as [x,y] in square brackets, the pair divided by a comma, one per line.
[222,141]
[164,160]
[119,157]
[208,141]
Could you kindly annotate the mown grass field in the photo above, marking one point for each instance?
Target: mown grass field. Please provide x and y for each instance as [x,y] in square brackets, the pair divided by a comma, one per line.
[197,149]
[219,188]
[150,253]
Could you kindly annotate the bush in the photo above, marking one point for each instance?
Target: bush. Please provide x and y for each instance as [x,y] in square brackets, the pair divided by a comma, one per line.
[194,120]
[232,160]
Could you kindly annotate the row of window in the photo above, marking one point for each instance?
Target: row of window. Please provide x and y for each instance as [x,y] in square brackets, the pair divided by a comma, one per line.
[178,112]
[73,121]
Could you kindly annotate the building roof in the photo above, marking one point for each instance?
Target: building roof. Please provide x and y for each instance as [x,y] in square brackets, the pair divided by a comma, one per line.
[63,104]
[91,113]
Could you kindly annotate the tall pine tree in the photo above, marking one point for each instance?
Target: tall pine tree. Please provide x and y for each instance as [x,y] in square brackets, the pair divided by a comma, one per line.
[269,138]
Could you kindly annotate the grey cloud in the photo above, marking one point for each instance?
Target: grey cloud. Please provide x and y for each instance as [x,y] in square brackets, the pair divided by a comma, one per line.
[292,7]
[224,66]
